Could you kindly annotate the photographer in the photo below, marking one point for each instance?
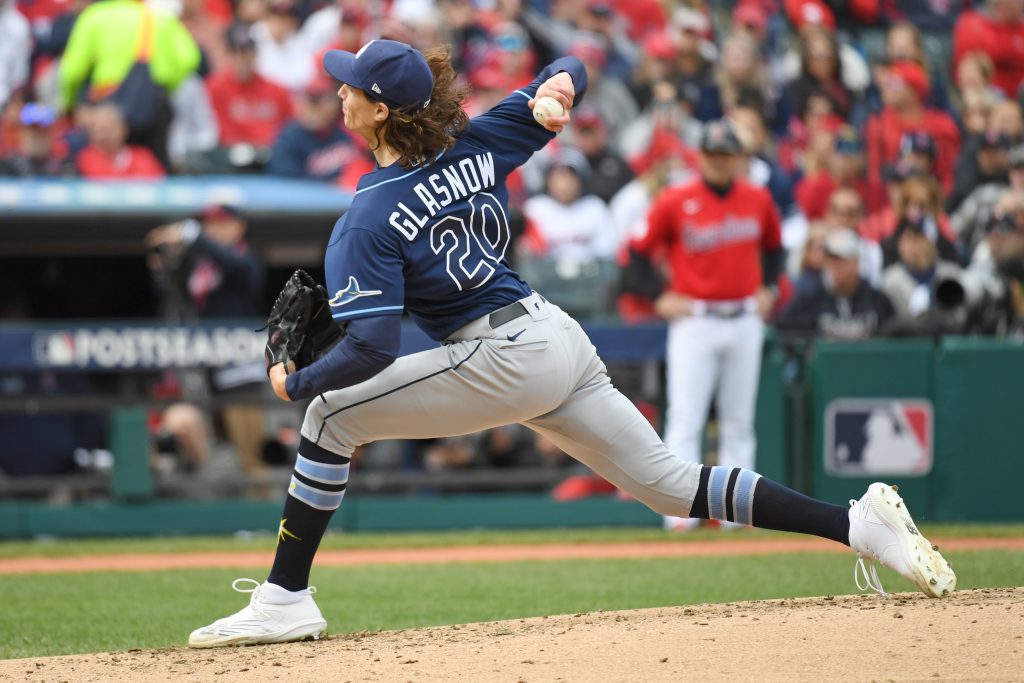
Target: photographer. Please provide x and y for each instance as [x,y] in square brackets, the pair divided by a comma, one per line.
[205,270]
[999,263]
[931,295]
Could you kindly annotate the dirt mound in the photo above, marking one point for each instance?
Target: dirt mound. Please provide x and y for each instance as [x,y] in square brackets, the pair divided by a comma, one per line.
[972,635]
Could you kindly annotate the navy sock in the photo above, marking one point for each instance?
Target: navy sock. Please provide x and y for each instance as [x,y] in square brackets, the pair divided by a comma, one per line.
[316,490]
[737,495]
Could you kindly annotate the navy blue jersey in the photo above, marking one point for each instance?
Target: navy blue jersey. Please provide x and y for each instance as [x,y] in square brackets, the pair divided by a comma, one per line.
[432,239]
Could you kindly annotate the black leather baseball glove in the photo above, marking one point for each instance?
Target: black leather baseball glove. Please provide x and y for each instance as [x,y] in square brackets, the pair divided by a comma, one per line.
[300,327]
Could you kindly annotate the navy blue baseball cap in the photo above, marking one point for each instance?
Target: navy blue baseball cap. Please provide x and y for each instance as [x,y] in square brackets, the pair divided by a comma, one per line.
[387,71]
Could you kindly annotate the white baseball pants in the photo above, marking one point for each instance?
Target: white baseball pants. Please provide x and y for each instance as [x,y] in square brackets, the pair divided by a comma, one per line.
[710,356]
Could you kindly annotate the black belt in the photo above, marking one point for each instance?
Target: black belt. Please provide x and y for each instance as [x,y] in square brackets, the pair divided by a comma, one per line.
[506,314]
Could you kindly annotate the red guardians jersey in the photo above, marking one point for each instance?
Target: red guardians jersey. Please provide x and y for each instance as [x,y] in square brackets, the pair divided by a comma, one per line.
[713,244]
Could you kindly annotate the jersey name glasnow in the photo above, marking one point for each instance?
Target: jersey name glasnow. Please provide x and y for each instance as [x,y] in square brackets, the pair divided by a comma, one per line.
[448,184]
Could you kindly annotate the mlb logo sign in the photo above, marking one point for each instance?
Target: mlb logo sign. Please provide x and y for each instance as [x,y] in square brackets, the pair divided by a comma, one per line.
[868,437]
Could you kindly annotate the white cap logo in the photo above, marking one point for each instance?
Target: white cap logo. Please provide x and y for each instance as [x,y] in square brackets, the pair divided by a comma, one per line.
[375,88]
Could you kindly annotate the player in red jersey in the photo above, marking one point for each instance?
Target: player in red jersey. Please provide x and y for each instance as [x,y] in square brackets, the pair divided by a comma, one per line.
[715,232]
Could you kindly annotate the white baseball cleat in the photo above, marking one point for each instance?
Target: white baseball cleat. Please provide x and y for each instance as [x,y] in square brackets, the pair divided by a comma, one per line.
[882,529]
[274,615]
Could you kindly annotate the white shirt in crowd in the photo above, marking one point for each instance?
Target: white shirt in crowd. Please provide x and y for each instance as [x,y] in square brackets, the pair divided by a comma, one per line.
[581,231]
[15,48]
[289,64]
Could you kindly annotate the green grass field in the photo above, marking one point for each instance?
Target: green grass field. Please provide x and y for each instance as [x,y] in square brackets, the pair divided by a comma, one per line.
[68,613]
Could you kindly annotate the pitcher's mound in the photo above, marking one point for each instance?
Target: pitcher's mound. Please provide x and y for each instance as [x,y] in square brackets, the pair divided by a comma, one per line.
[974,634]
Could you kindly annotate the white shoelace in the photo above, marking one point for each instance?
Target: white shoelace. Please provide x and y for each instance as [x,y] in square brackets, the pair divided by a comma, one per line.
[868,571]
[870,574]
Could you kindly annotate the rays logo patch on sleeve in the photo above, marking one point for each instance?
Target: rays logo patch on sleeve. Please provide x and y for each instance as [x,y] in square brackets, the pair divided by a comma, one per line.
[868,437]
[351,293]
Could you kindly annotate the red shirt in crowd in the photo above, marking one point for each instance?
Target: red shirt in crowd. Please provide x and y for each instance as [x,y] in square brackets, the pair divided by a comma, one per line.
[1004,43]
[252,111]
[131,161]
[813,191]
[882,136]
[713,243]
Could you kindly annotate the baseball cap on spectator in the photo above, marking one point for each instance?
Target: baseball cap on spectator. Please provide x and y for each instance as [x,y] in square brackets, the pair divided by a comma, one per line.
[321,84]
[284,7]
[37,114]
[240,38]
[994,139]
[913,75]
[919,226]
[660,46]
[221,211]
[600,8]
[691,20]
[917,142]
[1017,157]
[718,137]
[750,15]
[806,13]
[842,243]
[572,159]
[393,73]
[587,117]
[848,141]
[898,172]
[355,14]
[588,47]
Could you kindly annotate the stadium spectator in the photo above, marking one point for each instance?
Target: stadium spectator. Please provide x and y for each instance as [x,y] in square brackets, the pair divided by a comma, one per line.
[598,18]
[193,133]
[36,155]
[512,55]
[811,18]
[464,31]
[340,25]
[108,156]
[15,50]
[845,209]
[609,171]
[205,269]
[208,32]
[694,68]
[809,260]
[997,30]
[1005,117]
[930,295]
[313,146]
[607,94]
[250,109]
[999,262]
[904,43]
[844,167]
[842,305]
[742,80]
[903,88]
[282,56]
[570,238]
[820,78]
[992,163]
[104,66]
[760,169]
[973,216]
[936,19]
[917,198]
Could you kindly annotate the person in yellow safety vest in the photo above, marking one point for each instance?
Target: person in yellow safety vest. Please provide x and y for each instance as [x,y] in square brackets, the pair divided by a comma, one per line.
[106,42]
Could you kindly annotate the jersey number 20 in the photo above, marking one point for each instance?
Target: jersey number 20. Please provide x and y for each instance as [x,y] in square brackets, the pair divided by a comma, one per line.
[473,246]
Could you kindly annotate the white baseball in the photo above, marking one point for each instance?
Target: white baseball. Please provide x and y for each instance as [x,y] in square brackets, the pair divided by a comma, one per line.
[546,107]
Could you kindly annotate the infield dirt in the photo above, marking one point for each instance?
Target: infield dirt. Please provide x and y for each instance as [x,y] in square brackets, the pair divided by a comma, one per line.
[973,635]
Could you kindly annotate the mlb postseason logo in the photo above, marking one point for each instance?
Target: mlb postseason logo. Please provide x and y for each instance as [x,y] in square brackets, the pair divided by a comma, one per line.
[876,436]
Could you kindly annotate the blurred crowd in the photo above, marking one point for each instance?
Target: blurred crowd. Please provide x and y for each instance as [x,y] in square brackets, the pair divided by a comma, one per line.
[889,135]
[899,122]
